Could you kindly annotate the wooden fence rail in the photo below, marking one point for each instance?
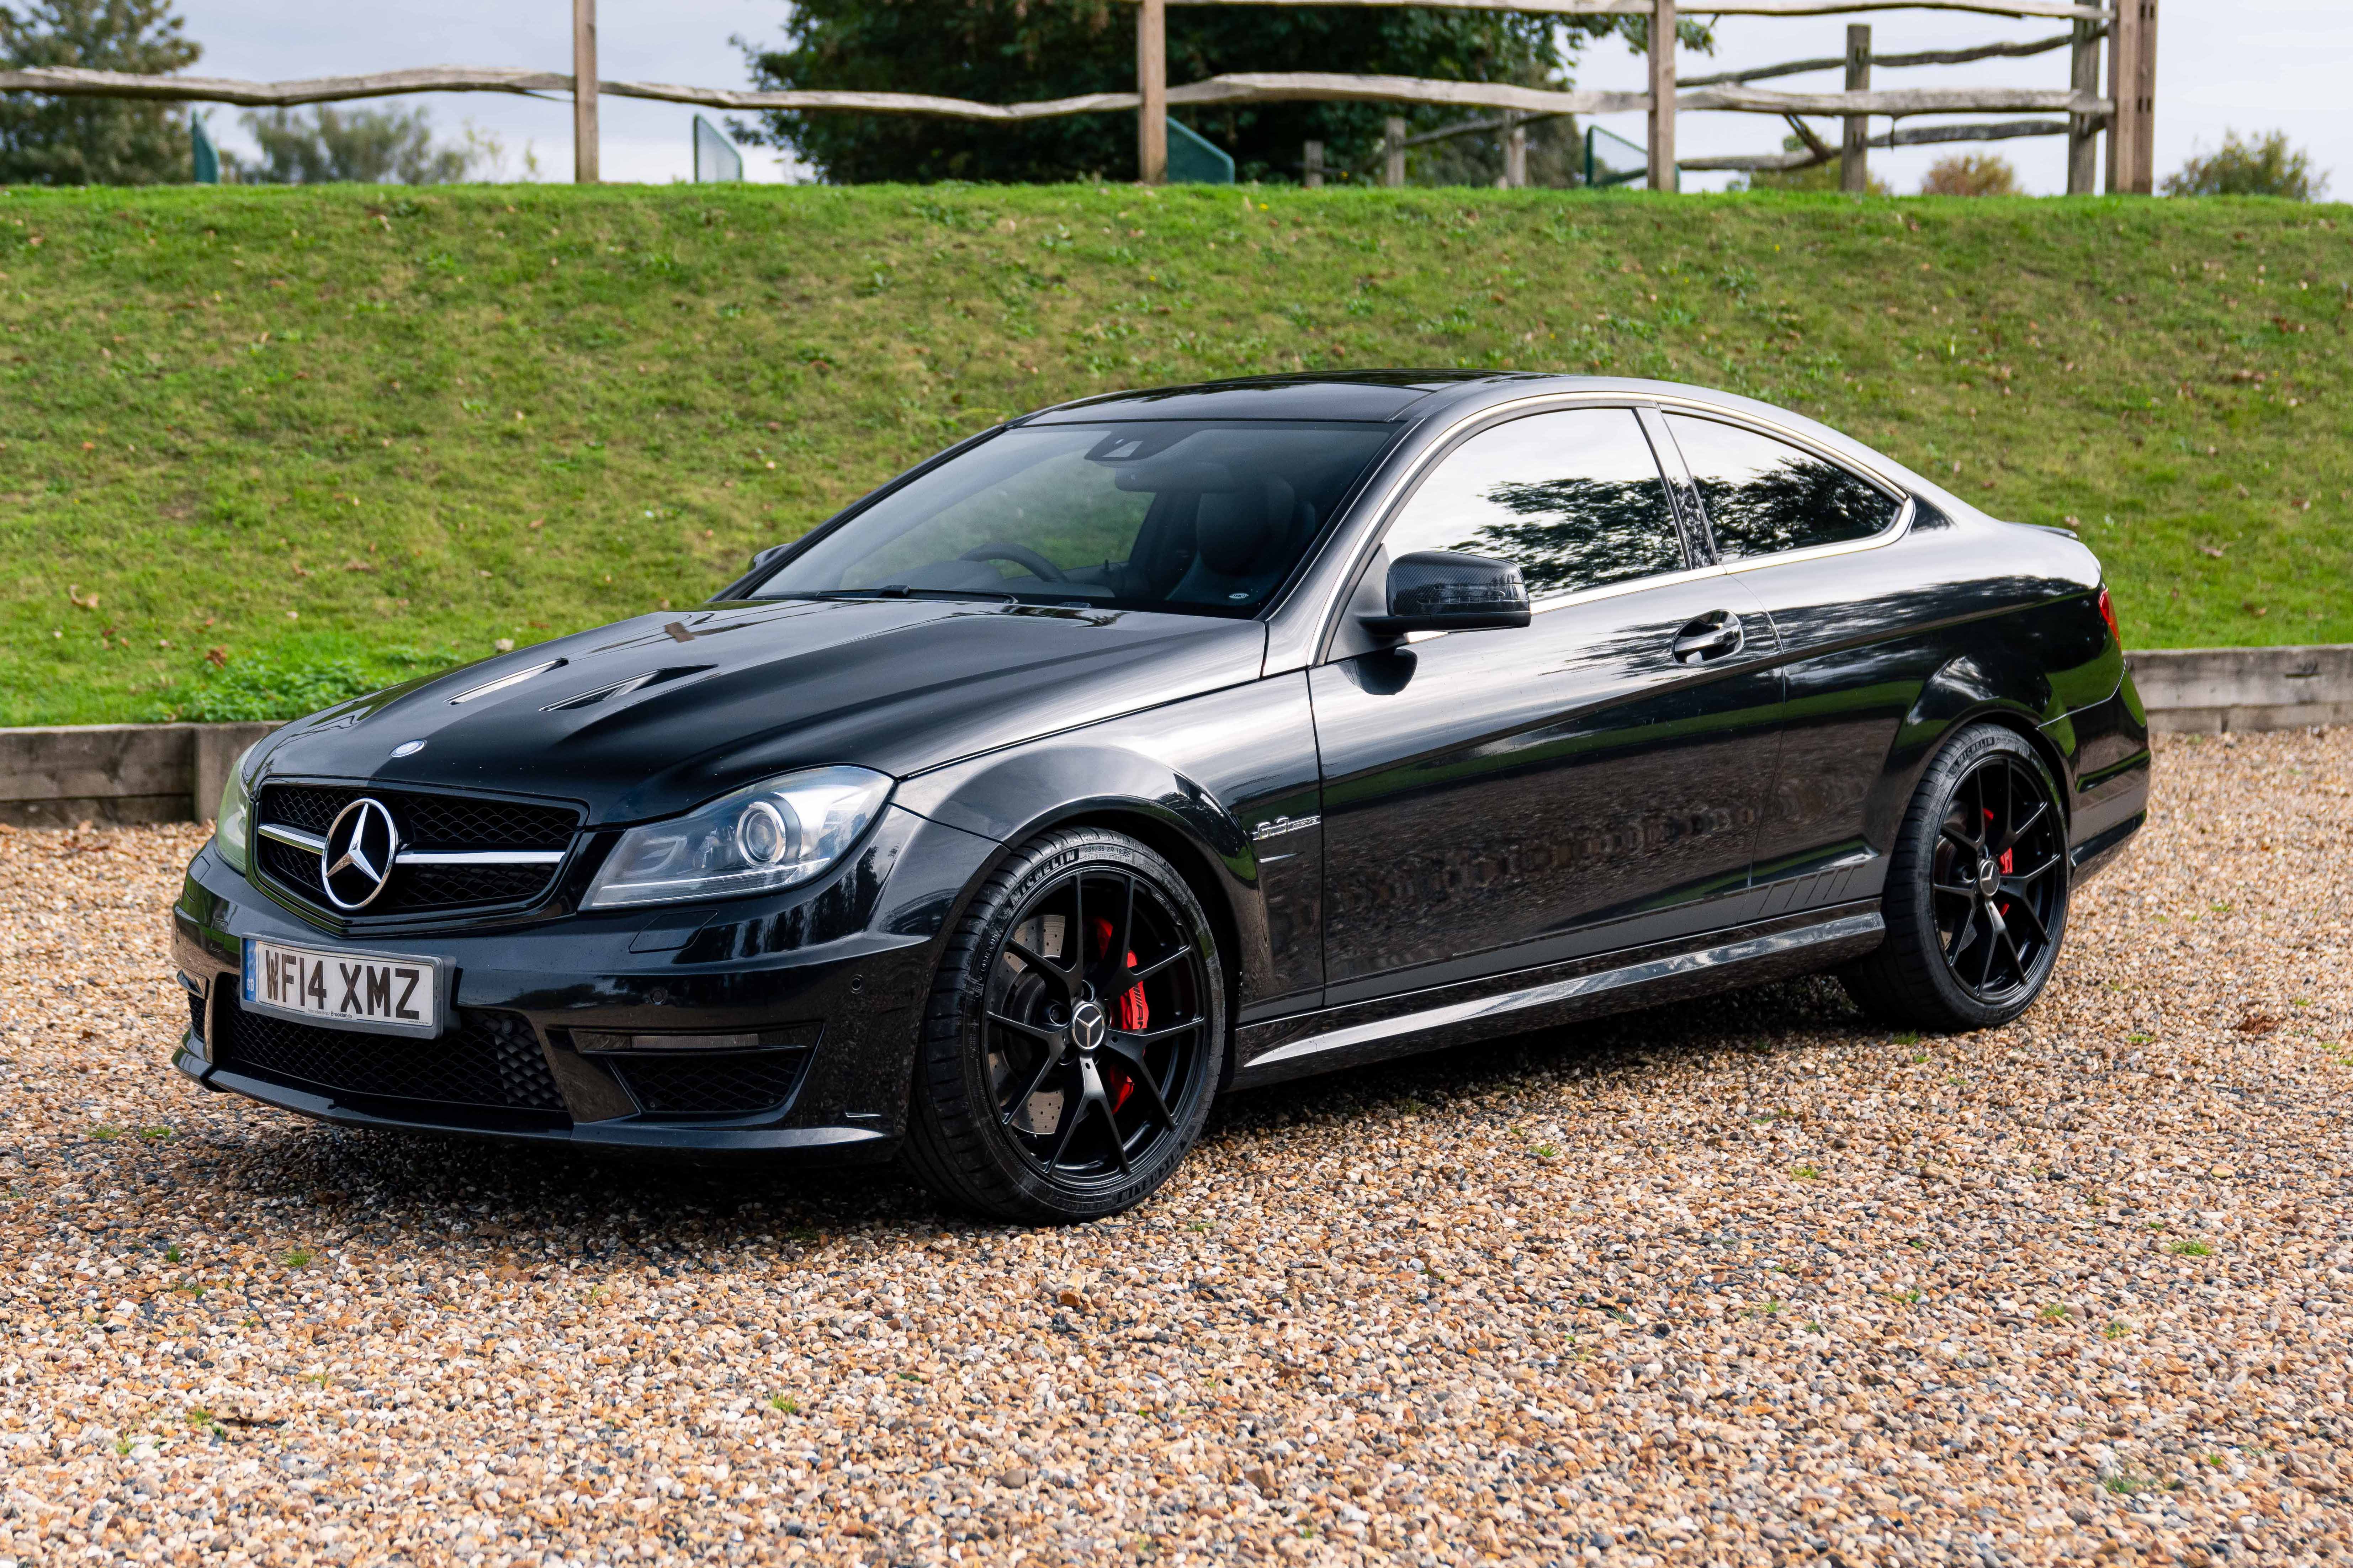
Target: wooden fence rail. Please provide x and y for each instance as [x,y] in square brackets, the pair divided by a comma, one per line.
[1238,87]
[2058,8]
[1921,57]
[1919,136]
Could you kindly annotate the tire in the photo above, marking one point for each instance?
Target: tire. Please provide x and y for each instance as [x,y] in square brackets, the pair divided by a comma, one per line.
[1066,1064]
[1976,891]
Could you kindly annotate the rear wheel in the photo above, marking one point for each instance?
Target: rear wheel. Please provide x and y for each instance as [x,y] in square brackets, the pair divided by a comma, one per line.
[1074,1035]
[1977,891]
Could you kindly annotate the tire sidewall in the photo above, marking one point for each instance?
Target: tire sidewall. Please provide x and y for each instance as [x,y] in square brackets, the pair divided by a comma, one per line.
[1917,906]
[991,917]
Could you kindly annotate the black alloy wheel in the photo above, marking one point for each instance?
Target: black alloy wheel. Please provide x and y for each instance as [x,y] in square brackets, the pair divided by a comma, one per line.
[1977,891]
[1998,878]
[1075,1034]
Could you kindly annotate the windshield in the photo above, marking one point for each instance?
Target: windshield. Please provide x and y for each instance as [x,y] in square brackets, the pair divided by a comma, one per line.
[1200,516]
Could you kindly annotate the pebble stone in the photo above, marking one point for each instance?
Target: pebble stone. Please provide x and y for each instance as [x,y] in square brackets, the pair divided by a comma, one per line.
[1745,1282]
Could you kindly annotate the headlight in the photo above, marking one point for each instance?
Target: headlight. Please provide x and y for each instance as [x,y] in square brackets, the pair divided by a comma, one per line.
[233,822]
[775,835]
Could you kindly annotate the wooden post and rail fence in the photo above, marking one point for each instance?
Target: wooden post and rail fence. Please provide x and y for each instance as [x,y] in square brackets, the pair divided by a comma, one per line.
[2124,113]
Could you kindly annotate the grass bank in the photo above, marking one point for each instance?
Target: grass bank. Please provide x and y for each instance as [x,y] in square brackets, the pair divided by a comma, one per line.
[259,445]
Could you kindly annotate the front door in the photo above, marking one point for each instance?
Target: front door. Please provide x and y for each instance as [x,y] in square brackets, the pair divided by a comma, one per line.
[1497,800]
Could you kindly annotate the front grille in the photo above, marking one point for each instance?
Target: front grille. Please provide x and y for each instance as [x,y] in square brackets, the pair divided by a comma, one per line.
[487,1060]
[426,821]
[716,1083]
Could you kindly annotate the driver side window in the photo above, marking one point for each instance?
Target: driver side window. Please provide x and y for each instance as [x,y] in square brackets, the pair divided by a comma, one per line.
[1572,497]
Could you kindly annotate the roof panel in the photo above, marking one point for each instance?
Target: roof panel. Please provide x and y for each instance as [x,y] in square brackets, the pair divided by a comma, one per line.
[1337,394]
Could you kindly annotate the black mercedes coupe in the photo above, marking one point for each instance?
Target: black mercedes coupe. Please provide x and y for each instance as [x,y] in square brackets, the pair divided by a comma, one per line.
[1171,742]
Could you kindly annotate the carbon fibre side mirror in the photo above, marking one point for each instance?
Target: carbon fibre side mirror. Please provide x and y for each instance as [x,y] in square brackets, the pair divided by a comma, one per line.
[1447,591]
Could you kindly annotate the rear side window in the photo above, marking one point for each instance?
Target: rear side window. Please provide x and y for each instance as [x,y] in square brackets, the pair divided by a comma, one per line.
[1765,496]
[1573,499]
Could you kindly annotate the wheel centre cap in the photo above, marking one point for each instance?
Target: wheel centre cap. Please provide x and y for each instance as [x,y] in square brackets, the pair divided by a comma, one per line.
[1988,877]
[1088,1026]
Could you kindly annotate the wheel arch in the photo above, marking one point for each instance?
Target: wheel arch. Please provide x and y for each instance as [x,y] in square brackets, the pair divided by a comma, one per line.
[1015,797]
[1977,687]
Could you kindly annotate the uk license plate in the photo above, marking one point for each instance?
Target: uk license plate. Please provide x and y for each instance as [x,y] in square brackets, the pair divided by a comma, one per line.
[379,993]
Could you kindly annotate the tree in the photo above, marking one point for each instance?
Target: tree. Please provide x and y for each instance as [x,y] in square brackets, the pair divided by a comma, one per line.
[1004,51]
[2244,167]
[93,141]
[1970,174]
[362,146]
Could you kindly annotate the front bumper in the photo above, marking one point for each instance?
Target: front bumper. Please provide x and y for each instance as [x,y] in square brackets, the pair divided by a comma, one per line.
[835,975]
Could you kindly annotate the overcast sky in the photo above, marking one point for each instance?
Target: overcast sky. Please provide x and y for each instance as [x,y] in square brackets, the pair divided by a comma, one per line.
[2255,65]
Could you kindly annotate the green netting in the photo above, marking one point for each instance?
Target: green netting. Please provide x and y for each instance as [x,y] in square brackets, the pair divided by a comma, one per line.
[207,156]
[1194,159]
[1611,160]
[715,158]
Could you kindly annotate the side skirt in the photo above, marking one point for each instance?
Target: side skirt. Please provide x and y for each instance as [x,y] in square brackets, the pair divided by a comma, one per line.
[2094,854]
[1556,994]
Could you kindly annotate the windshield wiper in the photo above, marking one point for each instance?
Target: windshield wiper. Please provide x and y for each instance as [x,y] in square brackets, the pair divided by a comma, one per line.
[897,591]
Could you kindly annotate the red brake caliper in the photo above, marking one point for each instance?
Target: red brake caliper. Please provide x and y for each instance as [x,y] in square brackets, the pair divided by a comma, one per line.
[1134,1013]
[2006,866]
[2007,855]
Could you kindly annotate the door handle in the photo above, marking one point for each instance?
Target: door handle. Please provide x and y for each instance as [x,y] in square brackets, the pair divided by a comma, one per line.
[1713,636]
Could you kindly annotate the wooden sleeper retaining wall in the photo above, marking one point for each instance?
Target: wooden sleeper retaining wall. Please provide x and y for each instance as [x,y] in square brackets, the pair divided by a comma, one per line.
[173,772]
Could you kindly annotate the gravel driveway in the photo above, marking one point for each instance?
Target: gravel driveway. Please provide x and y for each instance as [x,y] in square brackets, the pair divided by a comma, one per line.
[1738,1282]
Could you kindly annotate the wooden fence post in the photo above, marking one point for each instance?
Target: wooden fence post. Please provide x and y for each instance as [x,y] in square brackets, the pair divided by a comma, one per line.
[1854,151]
[1393,149]
[2124,57]
[584,92]
[2143,86]
[1152,87]
[1312,177]
[1515,153]
[1663,95]
[2083,130]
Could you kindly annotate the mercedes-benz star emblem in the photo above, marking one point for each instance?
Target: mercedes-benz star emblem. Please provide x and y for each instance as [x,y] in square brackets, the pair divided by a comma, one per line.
[356,860]
[1088,1026]
[408,748]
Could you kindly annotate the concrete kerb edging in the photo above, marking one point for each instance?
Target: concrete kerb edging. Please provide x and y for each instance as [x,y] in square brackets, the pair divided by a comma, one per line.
[173,772]
[55,777]
[2213,691]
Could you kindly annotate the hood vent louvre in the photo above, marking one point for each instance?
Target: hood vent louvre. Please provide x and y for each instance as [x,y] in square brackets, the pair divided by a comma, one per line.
[620,689]
[503,681]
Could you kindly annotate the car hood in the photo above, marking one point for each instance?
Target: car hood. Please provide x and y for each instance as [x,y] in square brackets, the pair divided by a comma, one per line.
[651,716]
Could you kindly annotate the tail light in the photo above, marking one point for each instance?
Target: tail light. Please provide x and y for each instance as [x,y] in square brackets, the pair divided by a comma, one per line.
[2108,613]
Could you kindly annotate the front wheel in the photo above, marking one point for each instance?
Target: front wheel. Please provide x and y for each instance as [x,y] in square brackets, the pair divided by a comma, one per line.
[1074,1035]
[1976,891]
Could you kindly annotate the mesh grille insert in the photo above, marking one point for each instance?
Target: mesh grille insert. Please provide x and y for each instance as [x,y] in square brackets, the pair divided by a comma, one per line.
[428,821]
[717,1083]
[487,1059]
